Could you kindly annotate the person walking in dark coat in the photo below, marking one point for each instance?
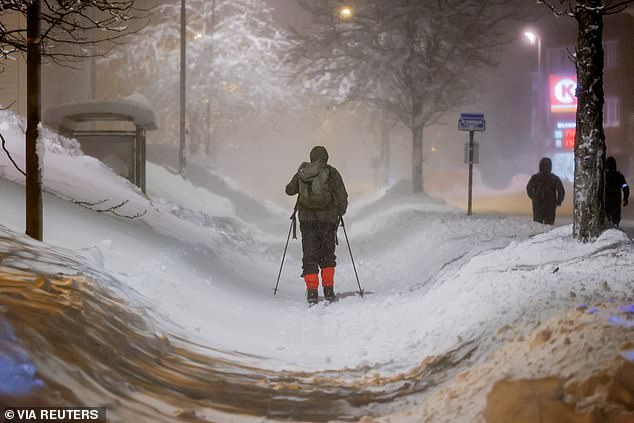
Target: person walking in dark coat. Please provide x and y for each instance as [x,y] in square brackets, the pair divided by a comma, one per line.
[322,201]
[546,191]
[614,185]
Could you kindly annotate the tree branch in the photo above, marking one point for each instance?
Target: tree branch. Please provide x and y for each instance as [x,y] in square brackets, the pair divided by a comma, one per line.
[73,23]
[9,154]
[619,6]
[112,210]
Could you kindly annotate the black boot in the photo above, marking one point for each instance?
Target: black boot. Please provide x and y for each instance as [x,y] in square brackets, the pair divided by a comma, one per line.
[329,293]
[312,296]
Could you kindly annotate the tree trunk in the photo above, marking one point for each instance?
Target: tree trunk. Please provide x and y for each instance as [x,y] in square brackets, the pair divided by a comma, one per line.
[417,159]
[589,212]
[34,226]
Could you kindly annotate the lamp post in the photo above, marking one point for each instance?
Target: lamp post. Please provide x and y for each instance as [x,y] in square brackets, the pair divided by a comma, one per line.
[538,112]
[183,87]
[345,12]
[533,38]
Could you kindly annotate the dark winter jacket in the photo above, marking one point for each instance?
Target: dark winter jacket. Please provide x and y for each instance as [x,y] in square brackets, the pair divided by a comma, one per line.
[614,185]
[545,189]
[336,206]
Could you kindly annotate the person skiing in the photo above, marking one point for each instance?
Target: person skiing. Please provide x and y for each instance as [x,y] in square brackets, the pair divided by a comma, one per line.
[614,184]
[546,192]
[322,201]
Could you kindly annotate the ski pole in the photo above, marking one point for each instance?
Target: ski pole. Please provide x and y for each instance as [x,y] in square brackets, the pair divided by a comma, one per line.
[351,258]
[293,224]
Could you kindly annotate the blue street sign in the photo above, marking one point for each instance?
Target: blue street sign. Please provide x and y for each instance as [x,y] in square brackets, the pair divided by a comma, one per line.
[471,122]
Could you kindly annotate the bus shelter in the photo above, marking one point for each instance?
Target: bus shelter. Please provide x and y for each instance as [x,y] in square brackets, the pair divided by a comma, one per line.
[113,131]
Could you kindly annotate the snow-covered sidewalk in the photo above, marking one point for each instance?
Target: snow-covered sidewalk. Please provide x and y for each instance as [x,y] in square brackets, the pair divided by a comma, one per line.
[434,278]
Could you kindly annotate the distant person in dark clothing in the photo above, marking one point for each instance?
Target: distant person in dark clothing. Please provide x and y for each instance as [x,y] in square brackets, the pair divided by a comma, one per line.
[322,201]
[614,184]
[546,191]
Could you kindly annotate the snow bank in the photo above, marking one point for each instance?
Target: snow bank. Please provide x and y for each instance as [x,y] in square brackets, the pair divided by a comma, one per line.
[434,278]
[569,368]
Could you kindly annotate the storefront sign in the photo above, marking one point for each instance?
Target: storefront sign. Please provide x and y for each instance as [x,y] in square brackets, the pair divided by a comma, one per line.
[564,135]
[562,93]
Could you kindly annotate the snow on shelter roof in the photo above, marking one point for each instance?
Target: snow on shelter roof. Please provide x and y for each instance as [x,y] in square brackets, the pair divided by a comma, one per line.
[134,107]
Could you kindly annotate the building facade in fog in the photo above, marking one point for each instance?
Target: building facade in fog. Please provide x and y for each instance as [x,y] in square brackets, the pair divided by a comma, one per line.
[557,108]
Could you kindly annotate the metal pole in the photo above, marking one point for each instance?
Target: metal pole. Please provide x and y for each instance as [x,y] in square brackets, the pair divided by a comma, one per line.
[284,255]
[211,60]
[539,97]
[139,152]
[183,75]
[470,172]
[351,258]
[539,55]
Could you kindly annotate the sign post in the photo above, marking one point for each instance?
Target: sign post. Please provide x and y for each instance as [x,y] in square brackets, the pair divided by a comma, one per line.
[471,122]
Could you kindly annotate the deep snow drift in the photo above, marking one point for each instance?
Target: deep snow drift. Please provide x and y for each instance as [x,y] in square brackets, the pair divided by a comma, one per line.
[202,260]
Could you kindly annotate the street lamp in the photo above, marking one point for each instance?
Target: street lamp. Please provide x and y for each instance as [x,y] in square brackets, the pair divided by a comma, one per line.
[345,12]
[533,38]
[183,85]
[537,127]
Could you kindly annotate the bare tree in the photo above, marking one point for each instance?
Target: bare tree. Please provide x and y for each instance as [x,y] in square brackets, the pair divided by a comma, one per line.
[413,60]
[49,25]
[234,67]
[589,209]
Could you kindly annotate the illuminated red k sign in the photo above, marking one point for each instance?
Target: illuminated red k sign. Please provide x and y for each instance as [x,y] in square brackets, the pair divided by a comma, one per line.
[562,93]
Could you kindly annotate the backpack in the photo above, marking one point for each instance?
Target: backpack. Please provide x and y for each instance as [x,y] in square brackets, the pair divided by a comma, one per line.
[314,192]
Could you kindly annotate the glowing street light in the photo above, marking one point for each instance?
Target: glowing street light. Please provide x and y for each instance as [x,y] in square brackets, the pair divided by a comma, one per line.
[345,12]
[530,36]
[537,127]
[533,38]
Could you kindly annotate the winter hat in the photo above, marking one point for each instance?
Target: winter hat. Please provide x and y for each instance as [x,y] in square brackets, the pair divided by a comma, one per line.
[545,165]
[610,164]
[319,153]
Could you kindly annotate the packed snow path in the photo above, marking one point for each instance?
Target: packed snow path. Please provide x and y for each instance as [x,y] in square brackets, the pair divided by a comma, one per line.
[202,263]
